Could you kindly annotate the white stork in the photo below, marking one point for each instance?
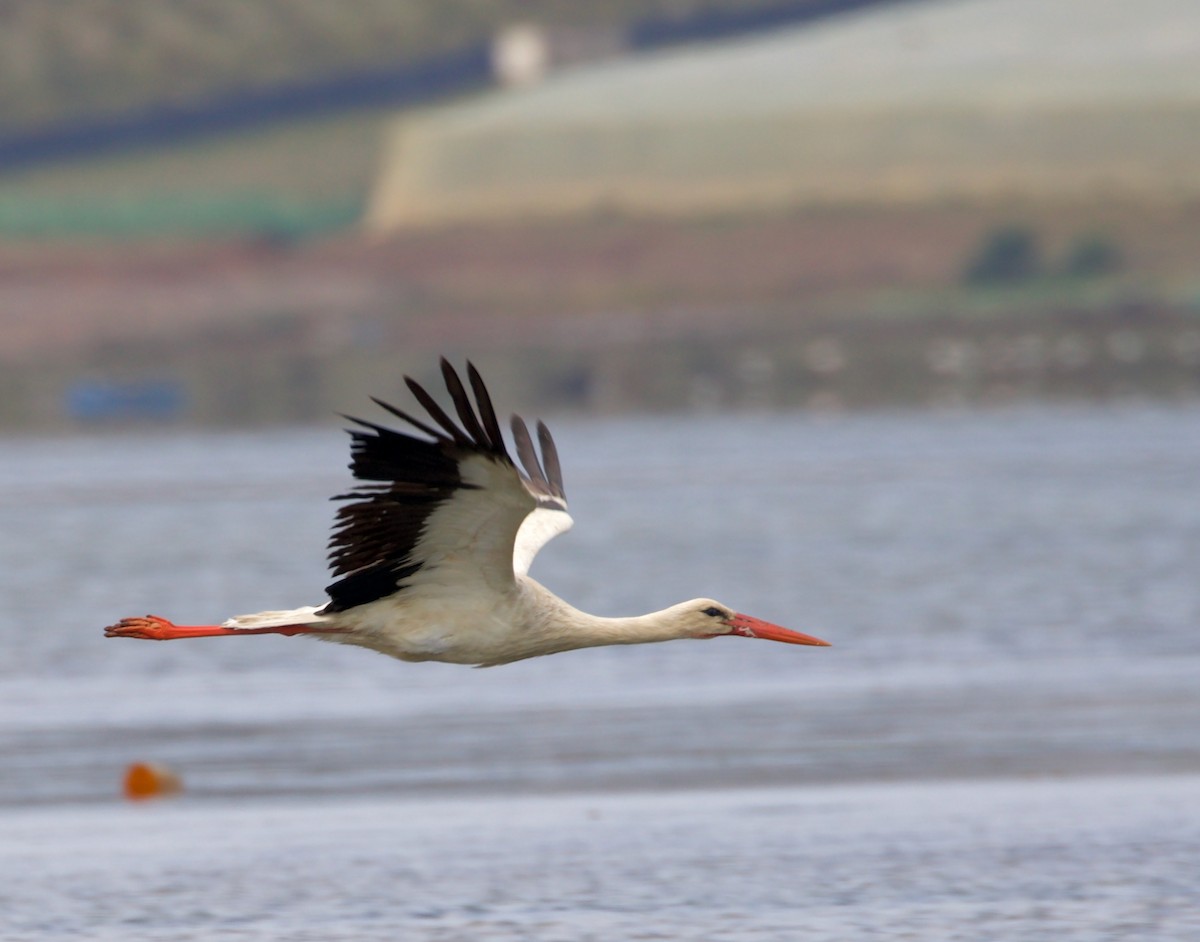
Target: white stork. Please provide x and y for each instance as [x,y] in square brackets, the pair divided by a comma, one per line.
[432,554]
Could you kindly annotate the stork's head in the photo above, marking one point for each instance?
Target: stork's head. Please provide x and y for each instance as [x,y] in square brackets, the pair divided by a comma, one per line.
[706,618]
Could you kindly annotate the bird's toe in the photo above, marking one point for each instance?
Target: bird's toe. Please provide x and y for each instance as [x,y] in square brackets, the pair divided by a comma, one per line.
[148,627]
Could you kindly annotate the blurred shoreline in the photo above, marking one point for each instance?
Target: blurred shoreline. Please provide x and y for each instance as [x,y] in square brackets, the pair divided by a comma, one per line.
[823,308]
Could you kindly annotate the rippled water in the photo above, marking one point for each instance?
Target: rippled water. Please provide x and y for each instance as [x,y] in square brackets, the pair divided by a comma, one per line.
[1003,743]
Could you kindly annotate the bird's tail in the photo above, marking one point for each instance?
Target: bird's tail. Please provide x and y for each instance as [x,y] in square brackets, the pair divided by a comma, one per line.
[307,615]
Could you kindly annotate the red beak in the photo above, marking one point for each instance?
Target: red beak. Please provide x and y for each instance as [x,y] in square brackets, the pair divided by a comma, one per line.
[749,627]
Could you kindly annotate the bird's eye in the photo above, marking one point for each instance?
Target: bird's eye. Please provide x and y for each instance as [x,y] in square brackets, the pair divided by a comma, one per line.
[713,612]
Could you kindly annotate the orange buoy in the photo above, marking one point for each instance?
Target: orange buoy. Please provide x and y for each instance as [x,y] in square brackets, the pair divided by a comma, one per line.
[149,780]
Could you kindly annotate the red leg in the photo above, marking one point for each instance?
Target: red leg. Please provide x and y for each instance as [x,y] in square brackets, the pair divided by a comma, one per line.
[153,628]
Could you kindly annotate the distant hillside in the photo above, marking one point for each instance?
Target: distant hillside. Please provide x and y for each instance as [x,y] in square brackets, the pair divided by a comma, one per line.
[76,59]
[980,100]
[281,103]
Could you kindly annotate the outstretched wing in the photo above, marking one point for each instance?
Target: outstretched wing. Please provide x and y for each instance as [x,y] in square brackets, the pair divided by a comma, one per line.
[448,506]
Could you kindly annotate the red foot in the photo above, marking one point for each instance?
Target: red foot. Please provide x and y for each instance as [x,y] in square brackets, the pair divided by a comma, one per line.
[153,628]
[149,627]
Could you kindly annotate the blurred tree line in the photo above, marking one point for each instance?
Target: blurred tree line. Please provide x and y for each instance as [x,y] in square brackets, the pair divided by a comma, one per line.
[1012,254]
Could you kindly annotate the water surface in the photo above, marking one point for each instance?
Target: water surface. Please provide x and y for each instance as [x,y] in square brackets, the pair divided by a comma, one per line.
[1003,743]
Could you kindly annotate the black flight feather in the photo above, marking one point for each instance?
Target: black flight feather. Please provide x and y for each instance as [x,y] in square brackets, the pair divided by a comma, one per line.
[550,459]
[486,412]
[462,405]
[528,455]
[436,413]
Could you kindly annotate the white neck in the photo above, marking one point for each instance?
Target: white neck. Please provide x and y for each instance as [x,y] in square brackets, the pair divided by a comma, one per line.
[556,626]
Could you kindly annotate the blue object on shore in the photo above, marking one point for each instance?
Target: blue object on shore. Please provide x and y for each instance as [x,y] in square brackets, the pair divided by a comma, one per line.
[136,400]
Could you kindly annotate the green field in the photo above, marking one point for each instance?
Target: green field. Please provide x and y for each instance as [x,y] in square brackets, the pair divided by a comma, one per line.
[301,179]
